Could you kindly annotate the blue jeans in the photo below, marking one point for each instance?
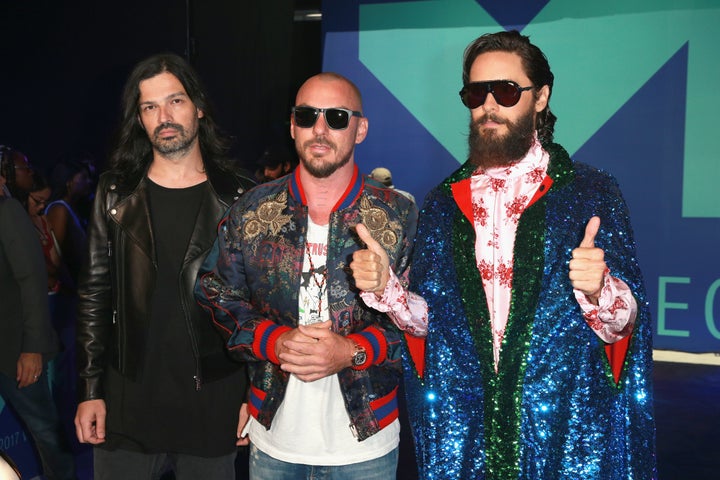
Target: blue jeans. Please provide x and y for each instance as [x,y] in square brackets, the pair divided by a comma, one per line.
[126,464]
[36,409]
[265,467]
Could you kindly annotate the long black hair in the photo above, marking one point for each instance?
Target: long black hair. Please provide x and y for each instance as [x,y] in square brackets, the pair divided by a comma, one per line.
[133,150]
[534,63]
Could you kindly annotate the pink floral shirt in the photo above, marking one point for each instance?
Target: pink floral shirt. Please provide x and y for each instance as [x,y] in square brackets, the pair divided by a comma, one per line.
[499,197]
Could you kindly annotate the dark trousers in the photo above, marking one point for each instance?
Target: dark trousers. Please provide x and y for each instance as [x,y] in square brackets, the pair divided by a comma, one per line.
[35,407]
[125,464]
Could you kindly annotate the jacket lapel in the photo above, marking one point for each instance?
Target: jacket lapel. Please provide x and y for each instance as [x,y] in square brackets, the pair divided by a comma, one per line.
[205,231]
[131,214]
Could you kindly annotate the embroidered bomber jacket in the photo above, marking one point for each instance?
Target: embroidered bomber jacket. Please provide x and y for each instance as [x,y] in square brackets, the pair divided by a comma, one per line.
[251,279]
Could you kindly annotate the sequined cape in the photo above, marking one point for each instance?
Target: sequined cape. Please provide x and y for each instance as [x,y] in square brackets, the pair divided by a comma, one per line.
[553,411]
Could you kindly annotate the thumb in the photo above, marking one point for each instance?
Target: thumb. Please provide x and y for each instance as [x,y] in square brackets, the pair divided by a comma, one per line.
[591,231]
[371,243]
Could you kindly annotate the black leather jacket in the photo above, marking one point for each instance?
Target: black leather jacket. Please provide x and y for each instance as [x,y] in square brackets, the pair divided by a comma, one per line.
[116,284]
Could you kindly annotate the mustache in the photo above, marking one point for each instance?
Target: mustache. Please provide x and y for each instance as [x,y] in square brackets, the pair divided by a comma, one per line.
[319,141]
[488,117]
[165,125]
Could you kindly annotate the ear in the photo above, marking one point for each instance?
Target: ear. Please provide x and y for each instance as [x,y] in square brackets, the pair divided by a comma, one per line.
[200,113]
[362,130]
[542,98]
[292,127]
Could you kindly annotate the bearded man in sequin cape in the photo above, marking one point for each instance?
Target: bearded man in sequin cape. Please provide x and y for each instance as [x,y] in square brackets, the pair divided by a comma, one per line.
[541,381]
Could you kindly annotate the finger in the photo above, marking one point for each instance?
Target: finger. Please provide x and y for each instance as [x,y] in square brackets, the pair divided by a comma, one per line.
[79,432]
[293,348]
[591,231]
[83,430]
[316,330]
[100,428]
[370,242]
[311,377]
[26,378]
[243,417]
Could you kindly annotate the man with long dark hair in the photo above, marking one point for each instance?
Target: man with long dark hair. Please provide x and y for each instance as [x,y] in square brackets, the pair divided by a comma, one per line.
[538,357]
[156,387]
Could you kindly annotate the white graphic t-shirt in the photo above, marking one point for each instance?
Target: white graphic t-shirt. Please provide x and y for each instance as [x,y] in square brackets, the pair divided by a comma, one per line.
[311,425]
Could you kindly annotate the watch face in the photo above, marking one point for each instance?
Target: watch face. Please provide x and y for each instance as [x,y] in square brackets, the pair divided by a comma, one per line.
[359,358]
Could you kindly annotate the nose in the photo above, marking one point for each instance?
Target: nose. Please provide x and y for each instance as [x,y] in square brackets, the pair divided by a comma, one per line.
[320,126]
[164,114]
[490,104]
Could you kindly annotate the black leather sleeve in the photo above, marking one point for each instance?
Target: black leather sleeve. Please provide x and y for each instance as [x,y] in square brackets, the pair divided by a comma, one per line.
[95,310]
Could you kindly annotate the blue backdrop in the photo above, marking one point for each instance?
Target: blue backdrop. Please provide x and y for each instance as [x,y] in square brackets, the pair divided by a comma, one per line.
[636,92]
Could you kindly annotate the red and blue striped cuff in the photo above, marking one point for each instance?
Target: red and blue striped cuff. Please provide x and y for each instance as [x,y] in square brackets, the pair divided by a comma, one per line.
[373,340]
[266,336]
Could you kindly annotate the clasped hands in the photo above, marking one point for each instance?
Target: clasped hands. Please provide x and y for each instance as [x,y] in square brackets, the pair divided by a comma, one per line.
[313,351]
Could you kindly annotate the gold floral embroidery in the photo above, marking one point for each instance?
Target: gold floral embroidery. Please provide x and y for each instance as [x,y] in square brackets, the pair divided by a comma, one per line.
[376,220]
[268,216]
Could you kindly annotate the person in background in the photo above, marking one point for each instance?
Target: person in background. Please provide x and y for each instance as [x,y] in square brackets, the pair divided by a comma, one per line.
[70,182]
[37,201]
[276,161]
[157,390]
[17,172]
[325,365]
[538,356]
[62,299]
[28,341]
[384,176]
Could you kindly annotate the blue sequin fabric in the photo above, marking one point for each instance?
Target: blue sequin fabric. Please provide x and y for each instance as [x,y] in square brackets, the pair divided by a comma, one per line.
[553,410]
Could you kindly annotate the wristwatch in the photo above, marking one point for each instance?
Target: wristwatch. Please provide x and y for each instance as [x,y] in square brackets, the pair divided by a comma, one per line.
[359,356]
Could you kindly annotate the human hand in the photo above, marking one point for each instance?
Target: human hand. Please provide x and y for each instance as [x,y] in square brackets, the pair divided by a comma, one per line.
[370,265]
[29,368]
[243,417]
[295,335]
[587,266]
[326,355]
[90,421]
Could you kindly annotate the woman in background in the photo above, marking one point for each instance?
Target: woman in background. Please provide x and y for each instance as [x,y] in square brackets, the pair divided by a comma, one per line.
[70,182]
[37,200]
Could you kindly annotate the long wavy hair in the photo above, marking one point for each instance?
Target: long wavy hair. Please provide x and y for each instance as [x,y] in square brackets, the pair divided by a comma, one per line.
[133,150]
[534,63]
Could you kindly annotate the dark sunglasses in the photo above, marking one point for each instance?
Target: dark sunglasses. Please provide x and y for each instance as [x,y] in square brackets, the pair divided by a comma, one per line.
[506,92]
[336,118]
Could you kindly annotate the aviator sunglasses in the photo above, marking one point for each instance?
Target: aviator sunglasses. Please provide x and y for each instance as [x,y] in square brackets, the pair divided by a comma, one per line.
[506,92]
[336,118]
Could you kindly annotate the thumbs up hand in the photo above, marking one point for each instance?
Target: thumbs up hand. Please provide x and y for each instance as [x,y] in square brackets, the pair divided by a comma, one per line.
[587,266]
[370,265]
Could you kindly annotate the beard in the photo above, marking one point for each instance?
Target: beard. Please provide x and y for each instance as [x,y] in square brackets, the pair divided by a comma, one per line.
[319,168]
[488,149]
[177,145]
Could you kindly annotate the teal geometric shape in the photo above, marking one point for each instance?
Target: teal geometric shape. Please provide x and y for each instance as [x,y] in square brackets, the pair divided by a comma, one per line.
[601,53]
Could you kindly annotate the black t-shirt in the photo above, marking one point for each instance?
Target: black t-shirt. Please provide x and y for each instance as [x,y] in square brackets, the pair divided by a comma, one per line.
[163,412]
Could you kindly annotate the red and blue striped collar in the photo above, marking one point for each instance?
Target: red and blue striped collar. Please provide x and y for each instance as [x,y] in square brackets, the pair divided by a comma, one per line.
[352,192]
